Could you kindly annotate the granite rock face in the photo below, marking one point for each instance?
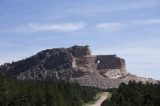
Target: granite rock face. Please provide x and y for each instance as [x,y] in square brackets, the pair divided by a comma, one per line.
[75,64]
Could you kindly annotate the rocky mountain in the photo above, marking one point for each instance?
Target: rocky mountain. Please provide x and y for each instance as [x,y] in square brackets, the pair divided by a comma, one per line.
[74,64]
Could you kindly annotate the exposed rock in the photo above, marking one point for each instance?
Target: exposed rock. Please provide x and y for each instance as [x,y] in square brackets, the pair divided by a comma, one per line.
[80,51]
[75,64]
[97,80]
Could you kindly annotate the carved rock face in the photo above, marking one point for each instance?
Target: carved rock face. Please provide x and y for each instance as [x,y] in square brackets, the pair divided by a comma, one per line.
[80,51]
[71,63]
[109,62]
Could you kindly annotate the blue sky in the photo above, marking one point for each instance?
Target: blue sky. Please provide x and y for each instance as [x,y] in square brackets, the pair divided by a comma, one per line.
[128,28]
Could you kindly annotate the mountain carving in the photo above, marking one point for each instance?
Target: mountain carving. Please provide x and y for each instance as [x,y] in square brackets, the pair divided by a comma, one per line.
[74,64]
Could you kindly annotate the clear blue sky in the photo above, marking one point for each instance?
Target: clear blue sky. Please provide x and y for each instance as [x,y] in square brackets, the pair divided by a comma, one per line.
[128,28]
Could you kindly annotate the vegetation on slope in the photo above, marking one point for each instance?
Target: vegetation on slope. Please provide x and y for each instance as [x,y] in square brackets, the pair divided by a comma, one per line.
[43,93]
[135,94]
[60,93]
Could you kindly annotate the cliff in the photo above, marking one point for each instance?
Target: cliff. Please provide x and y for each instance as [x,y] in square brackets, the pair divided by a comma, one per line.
[75,64]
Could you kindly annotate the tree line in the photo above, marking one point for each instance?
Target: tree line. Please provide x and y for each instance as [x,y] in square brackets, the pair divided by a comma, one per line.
[135,94]
[43,93]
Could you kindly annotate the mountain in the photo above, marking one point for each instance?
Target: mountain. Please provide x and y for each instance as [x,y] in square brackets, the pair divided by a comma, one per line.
[74,64]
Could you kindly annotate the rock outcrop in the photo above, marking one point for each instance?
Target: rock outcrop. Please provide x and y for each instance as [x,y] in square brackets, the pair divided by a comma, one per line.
[75,64]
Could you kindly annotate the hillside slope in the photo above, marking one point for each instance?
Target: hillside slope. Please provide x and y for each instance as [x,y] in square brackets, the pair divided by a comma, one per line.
[75,64]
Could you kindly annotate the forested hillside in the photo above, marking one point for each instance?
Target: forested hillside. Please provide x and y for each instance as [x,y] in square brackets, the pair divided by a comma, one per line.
[60,93]
[135,94]
[43,93]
